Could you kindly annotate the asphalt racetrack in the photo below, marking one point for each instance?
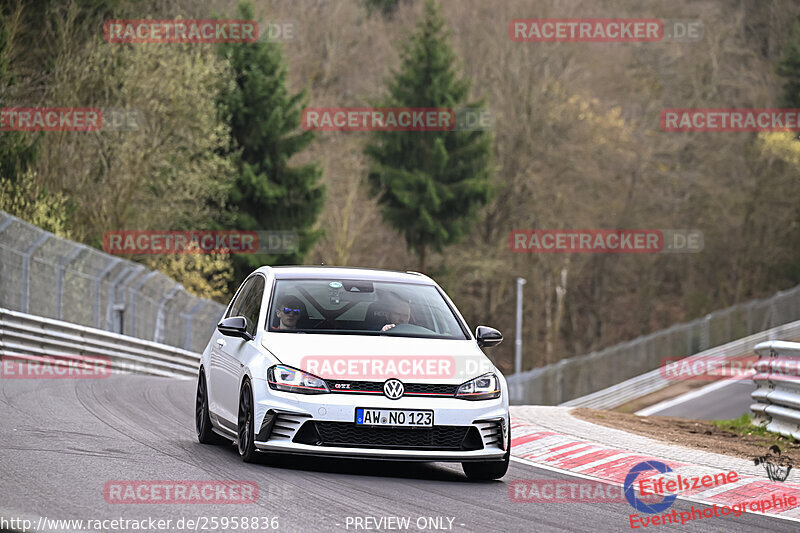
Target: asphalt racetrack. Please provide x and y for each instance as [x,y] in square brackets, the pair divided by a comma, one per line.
[63,440]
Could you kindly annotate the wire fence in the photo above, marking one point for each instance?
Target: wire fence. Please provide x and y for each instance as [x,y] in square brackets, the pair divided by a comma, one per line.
[578,376]
[45,275]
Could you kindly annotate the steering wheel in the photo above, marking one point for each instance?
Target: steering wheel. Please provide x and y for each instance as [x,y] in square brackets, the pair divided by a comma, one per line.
[408,328]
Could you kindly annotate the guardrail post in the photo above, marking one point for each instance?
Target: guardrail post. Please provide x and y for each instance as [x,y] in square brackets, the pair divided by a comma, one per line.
[103,273]
[728,331]
[560,382]
[133,291]
[26,267]
[795,306]
[188,317]
[62,267]
[773,315]
[2,333]
[158,334]
[127,274]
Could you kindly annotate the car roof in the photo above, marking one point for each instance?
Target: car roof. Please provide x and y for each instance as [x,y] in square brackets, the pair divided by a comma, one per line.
[355,273]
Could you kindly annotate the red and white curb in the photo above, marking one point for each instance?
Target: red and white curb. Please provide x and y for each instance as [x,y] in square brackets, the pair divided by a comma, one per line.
[590,460]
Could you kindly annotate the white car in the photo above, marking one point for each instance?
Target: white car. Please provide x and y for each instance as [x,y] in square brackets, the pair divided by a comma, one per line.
[350,362]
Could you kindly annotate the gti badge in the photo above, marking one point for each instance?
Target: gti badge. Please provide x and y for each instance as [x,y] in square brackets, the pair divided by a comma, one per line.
[393,389]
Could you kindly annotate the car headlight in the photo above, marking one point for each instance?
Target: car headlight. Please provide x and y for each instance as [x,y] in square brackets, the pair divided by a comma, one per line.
[483,387]
[290,379]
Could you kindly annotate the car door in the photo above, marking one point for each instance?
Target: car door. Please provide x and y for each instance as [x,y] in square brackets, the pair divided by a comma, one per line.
[248,351]
[224,368]
[237,351]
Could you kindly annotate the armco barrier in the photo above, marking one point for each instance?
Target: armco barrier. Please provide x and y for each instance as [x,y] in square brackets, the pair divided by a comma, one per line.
[49,276]
[777,393]
[583,375]
[24,336]
[654,380]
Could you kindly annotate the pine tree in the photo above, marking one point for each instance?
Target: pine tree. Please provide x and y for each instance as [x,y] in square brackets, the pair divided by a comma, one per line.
[789,68]
[264,118]
[430,184]
[384,7]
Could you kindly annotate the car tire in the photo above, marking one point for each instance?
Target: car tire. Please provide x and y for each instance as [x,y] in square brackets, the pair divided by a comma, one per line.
[245,442]
[488,470]
[202,419]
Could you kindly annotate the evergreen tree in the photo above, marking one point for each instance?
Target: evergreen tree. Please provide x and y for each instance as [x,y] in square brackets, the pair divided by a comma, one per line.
[430,184]
[385,7]
[789,68]
[18,150]
[264,118]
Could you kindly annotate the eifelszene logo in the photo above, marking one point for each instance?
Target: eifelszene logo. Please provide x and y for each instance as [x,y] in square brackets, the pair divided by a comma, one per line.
[638,504]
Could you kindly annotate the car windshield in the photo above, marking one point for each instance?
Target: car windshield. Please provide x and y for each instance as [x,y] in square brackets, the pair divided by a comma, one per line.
[362,307]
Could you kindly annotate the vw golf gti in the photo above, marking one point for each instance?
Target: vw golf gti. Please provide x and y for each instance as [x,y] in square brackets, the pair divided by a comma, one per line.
[350,362]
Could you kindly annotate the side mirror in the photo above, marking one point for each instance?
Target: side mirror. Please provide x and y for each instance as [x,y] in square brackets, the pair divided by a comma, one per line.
[488,337]
[235,326]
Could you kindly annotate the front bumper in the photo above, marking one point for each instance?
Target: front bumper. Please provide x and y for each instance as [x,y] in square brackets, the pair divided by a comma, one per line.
[286,423]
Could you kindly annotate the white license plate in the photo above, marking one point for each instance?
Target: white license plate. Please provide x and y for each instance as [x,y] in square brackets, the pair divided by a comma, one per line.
[394,417]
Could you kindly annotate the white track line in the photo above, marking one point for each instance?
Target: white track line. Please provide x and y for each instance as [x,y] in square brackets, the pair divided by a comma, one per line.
[653,409]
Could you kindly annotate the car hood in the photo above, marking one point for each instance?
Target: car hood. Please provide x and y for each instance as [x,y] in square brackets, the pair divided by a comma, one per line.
[377,358]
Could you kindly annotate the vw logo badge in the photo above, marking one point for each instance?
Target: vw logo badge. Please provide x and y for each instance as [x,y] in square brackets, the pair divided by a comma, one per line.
[393,389]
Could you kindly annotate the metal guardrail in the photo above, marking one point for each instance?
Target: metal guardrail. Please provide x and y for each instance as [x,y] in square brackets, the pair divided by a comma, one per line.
[49,276]
[777,393]
[24,336]
[654,380]
[579,376]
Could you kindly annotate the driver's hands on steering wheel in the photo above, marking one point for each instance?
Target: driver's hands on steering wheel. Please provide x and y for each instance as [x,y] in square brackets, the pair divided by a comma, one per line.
[388,327]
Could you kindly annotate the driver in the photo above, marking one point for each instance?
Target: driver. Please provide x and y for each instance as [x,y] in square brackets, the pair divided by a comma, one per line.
[289,312]
[398,312]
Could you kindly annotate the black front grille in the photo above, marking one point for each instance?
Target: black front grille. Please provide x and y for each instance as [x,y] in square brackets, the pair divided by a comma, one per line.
[346,434]
[376,387]
[431,388]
